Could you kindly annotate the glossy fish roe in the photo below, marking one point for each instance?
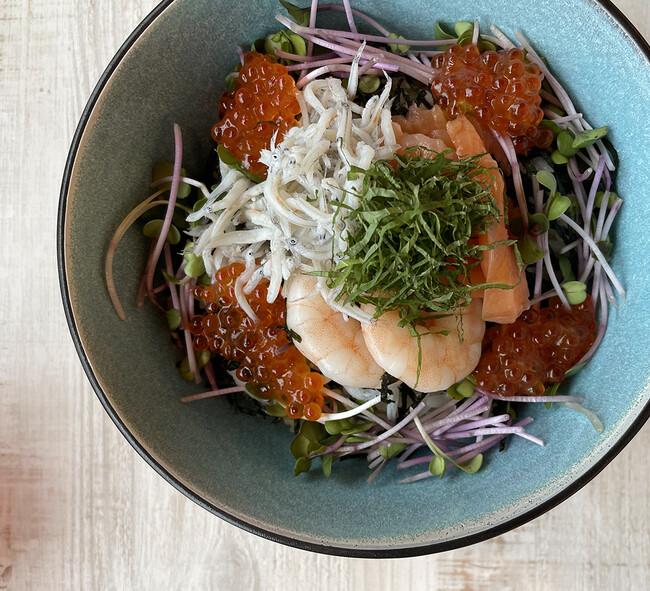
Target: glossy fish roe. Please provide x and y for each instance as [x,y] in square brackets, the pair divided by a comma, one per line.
[498,87]
[267,358]
[263,103]
[536,351]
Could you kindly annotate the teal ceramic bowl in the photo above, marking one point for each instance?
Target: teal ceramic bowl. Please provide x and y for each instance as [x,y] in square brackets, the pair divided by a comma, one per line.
[171,69]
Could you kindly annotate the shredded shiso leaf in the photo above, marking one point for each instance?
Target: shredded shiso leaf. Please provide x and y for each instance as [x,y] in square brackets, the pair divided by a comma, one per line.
[411,242]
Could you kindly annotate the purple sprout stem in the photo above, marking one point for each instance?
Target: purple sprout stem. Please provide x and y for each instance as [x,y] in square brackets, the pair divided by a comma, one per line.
[602,216]
[332,448]
[373,63]
[440,427]
[469,409]
[534,399]
[319,63]
[506,144]
[444,410]
[415,462]
[451,405]
[595,250]
[493,39]
[544,296]
[209,371]
[373,23]
[213,393]
[610,218]
[474,399]
[142,288]
[478,446]
[486,415]
[551,98]
[334,34]
[539,268]
[420,476]
[610,294]
[417,71]
[602,213]
[467,452]
[581,197]
[375,453]
[173,193]
[183,179]
[190,298]
[391,58]
[470,432]
[343,50]
[342,69]
[551,272]
[294,57]
[598,274]
[181,270]
[570,246]
[347,402]
[170,271]
[532,438]
[538,195]
[590,202]
[350,16]
[377,471]
[602,324]
[359,446]
[493,441]
[480,423]
[589,265]
[313,11]
[574,172]
[188,336]
[558,119]
[409,451]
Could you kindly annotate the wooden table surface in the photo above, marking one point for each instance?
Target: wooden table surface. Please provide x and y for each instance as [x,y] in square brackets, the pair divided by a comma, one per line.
[79,509]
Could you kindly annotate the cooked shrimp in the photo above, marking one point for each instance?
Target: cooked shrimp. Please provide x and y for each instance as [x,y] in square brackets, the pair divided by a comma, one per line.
[445,359]
[335,345]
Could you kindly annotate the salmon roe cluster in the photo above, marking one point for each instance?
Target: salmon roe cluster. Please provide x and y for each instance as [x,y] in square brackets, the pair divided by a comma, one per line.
[267,358]
[498,87]
[536,351]
[264,102]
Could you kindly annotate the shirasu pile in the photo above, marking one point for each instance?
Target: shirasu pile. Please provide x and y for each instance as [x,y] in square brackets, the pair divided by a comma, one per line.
[292,220]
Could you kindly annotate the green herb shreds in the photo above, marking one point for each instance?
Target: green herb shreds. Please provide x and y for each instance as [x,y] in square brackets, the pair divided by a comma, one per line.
[412,241]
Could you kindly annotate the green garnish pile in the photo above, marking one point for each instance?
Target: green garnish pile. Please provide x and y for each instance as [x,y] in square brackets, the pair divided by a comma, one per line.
[411,242]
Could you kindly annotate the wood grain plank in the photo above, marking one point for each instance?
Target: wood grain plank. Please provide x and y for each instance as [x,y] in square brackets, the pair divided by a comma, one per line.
[79,509]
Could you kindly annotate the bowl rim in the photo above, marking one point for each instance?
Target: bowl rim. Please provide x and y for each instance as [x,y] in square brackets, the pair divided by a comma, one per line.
[346,551]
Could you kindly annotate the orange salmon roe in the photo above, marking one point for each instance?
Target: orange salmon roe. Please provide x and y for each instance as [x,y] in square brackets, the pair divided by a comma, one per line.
[264,102]
[535,351]
[498,87]
[266,356]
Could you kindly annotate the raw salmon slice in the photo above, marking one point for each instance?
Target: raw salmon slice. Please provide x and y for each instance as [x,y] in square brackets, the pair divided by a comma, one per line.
[499,264]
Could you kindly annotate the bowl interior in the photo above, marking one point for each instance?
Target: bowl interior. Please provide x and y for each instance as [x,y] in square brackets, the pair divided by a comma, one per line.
[239,466]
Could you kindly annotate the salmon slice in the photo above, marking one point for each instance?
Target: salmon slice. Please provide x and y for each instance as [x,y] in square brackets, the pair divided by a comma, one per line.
[419,139]
[499,264]
[428,122]
[423,127]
